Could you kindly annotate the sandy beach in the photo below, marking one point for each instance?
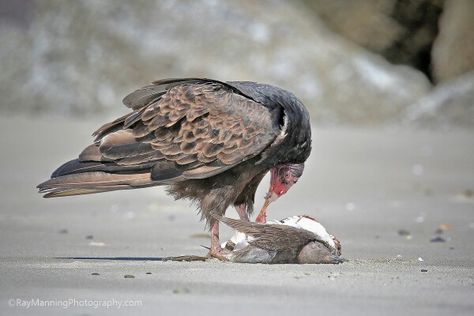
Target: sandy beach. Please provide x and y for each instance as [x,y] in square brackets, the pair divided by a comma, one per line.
[400,201]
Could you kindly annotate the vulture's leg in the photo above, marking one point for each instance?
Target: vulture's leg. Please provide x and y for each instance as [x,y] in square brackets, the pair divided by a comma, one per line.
[216,250]
[242,211]
[262,215]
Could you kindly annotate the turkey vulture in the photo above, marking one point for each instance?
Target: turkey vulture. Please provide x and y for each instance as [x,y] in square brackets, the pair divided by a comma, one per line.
[295,239]
[207,140]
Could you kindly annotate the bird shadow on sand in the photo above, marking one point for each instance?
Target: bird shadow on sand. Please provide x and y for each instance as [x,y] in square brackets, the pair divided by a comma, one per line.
[177,258]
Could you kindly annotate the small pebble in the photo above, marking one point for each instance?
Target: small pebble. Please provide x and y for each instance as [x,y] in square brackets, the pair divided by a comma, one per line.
[183,290]
[333,276]
[96,244]
[441,229]
[420,219]
[403,232]
[464,197]
[148,273]
[95,273]
[438,239]
[417,169]
[420,259]
[129,276]
[89,237]
[63,231]
[424,270]
[350,206]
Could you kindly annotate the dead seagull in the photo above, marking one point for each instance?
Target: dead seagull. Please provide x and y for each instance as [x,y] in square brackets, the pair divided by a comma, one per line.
[207,140]
[296,239]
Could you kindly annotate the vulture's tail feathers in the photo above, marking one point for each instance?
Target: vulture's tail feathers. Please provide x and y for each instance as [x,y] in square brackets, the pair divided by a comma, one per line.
[76,178]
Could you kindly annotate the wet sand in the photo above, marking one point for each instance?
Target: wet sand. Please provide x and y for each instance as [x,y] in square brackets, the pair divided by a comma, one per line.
[383,192]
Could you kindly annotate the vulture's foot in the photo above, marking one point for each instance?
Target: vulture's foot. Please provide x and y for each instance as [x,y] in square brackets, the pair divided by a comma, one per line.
[216,250]
[218,254]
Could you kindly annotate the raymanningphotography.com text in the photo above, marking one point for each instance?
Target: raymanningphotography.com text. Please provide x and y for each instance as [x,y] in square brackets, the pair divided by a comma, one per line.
[36,302]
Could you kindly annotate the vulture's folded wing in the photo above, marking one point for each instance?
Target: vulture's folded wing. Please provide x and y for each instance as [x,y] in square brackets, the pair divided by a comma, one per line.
[190,128]
[179,129]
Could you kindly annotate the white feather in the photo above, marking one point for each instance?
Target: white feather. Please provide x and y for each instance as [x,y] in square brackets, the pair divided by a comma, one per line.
[309,224]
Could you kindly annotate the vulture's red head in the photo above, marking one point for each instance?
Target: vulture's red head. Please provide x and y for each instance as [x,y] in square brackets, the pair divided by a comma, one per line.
[282,179]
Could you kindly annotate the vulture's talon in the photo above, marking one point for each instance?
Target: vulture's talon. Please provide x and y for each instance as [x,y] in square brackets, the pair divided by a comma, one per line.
[218,254]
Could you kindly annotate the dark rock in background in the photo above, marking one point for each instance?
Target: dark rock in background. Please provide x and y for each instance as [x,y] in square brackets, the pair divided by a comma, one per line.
[402,31]
[453,50]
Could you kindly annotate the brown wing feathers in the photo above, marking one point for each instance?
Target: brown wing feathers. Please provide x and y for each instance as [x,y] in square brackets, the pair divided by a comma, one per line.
[178,130]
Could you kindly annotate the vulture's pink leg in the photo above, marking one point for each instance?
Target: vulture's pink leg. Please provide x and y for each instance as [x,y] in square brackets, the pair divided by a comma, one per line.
[216,250]
[262,215]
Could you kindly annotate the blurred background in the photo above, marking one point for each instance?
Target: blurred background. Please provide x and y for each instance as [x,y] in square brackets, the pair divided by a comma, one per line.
[365,62]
